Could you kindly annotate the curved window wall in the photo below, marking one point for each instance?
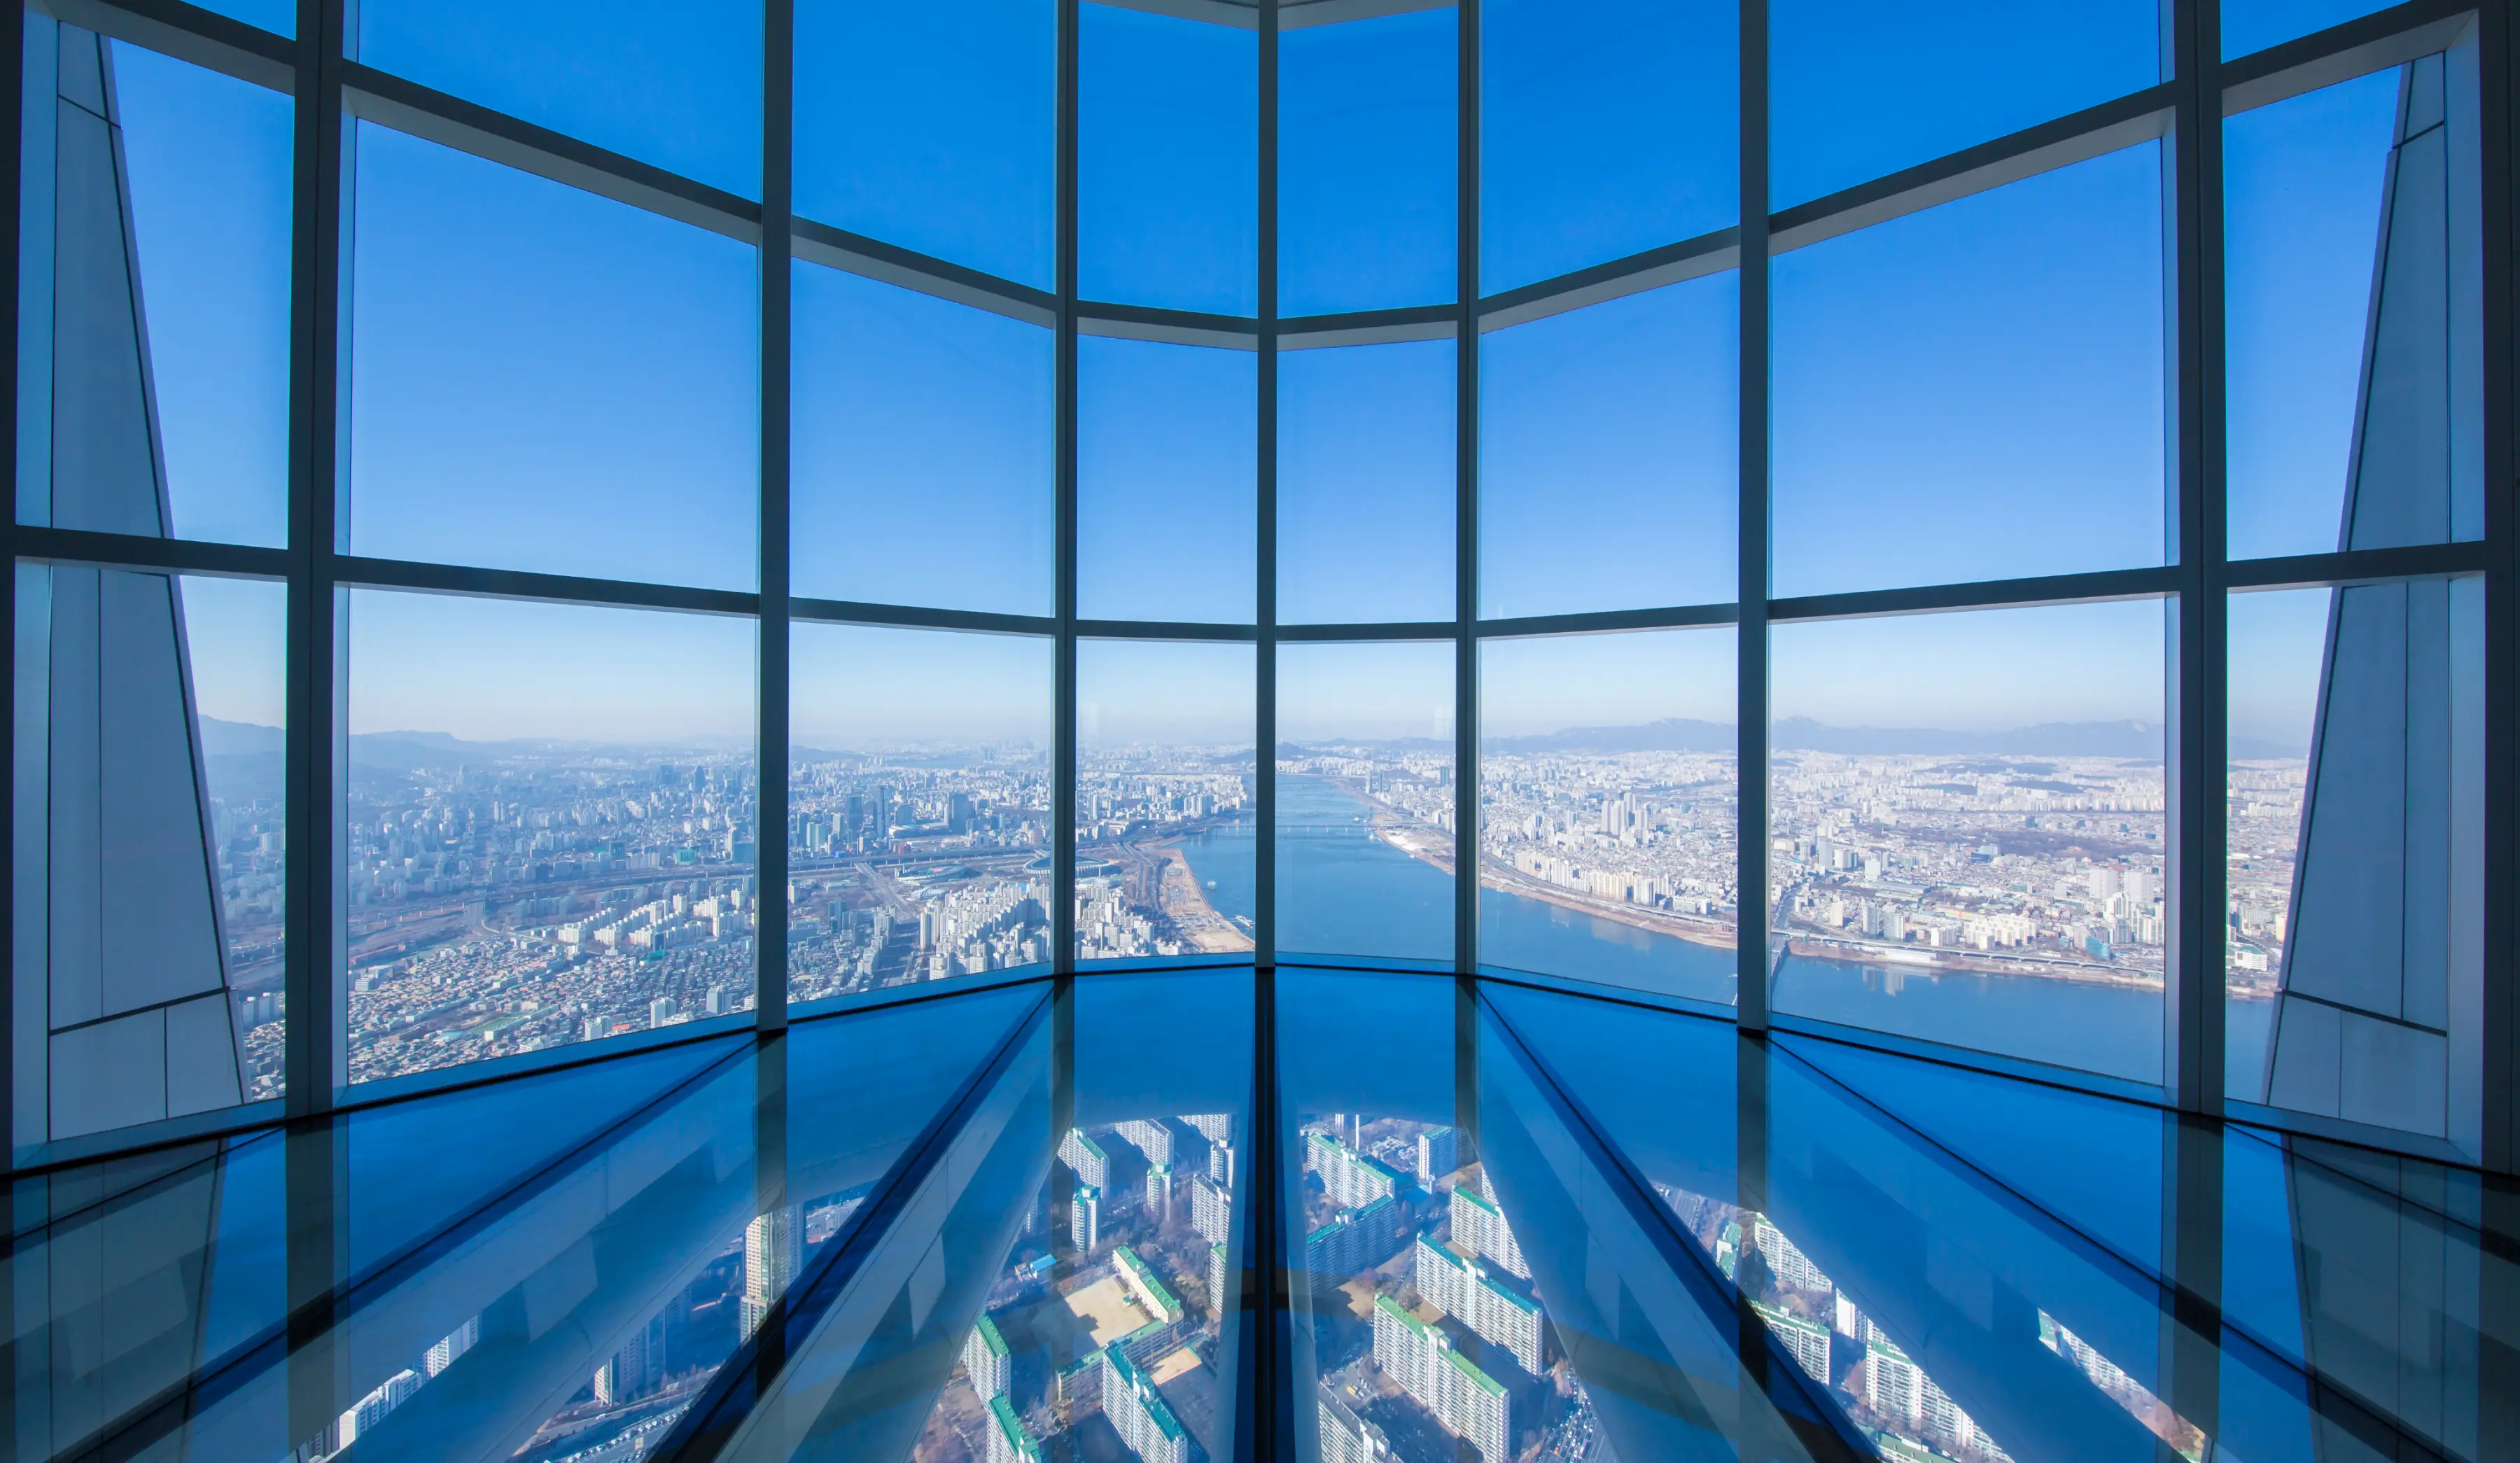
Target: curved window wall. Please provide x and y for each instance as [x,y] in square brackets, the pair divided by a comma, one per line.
[512,510]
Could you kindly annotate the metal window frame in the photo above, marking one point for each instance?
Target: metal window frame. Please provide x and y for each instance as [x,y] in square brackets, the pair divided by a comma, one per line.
[333,90]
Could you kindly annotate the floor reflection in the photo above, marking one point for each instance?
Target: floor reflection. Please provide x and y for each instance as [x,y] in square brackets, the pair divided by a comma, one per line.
[1519,1226]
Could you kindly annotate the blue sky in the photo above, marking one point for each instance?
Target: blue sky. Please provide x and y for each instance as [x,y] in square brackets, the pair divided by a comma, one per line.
[540,379]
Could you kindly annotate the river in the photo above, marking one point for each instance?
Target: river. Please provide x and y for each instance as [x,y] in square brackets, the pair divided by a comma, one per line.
[1343,892]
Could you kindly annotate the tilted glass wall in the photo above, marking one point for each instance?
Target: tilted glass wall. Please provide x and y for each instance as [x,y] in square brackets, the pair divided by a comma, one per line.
[508,518]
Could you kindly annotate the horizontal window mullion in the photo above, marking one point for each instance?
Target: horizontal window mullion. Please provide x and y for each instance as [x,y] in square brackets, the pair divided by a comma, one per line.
[519,584]
[2051,589]
[915,617]
[131,551]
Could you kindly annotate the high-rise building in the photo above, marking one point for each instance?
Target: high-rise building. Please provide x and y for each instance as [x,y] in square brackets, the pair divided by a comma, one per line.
[1352,1180]
[1211,1210]
[1143,1283]
[1220,1297]
[1354,1242]
[1420,1358]
[1791,1267]
[1216,1127]
[1220,1164]
[369,1411]
[1150,1136]
[1010,1440]
[773,1244]
[1139,1413]
[453,1345]
[1087,1158]
[987,1360]
[1439,1152]
[1085,1218]
[1345,1437]
[1480,1227]
[1462,1289]
[1806,1341]
[1159,1192]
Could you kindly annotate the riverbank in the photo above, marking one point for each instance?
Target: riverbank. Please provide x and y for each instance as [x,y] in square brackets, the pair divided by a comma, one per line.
[1186,903]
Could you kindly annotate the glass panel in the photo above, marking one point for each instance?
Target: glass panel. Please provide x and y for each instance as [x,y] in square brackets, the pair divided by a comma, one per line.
[2279,644]
[1967,813]
[1608,812]
[277,15]
[1610,478]
[1976,391]
[931,126]
[1026,1307]
[2107,1181]
[549,825]
[923,433]
[918,804]
[1167,161]
[150,841]
[1365,800]
[2016,1339]
[1165,763]
[649,79]
[2356,847]
[1366,487]
[153,296]
[1367,131]
[545,379]
[1607,127]
[2347,300]
[197,1230]
[647,1248]
[1863,89]
[1167,473]
[2252,25]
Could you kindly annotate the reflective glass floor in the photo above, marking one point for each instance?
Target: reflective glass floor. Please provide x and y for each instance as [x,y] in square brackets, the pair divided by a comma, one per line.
[1013,1224]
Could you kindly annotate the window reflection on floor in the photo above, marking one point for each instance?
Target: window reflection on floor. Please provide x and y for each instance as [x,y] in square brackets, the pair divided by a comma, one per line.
[1113,1351]
[1424,1325]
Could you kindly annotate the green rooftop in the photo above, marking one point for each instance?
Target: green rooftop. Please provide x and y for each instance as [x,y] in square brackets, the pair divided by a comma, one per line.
[989,1337]
[1143,1388]
[1016,1434]
[1478,1378]
[1165,1300]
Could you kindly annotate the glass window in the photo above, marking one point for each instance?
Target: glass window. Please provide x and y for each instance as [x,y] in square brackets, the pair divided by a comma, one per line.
[649,79]
[1167,481]
[154,378]
[1967,816]
[2252,25]
[1366,487]
[1366,133]
[1608,789]
[2279,644]
[1607,127]
[550,824]
[923,431]
[931,126]
[1165,763]
[918,803]
[2343,322]
[1976,391]
[1863,89]
[2357,847]
[541,378]
[279,17]
[1365,800]
[1609,473]
[150,839]
[1118,1270]
[1167,161]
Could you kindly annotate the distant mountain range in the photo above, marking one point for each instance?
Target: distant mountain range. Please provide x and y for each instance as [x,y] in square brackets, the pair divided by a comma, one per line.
[2140,740]
[415,751]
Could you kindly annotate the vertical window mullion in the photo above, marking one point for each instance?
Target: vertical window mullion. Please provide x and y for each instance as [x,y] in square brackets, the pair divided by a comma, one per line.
[771,736]
[1751,763]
